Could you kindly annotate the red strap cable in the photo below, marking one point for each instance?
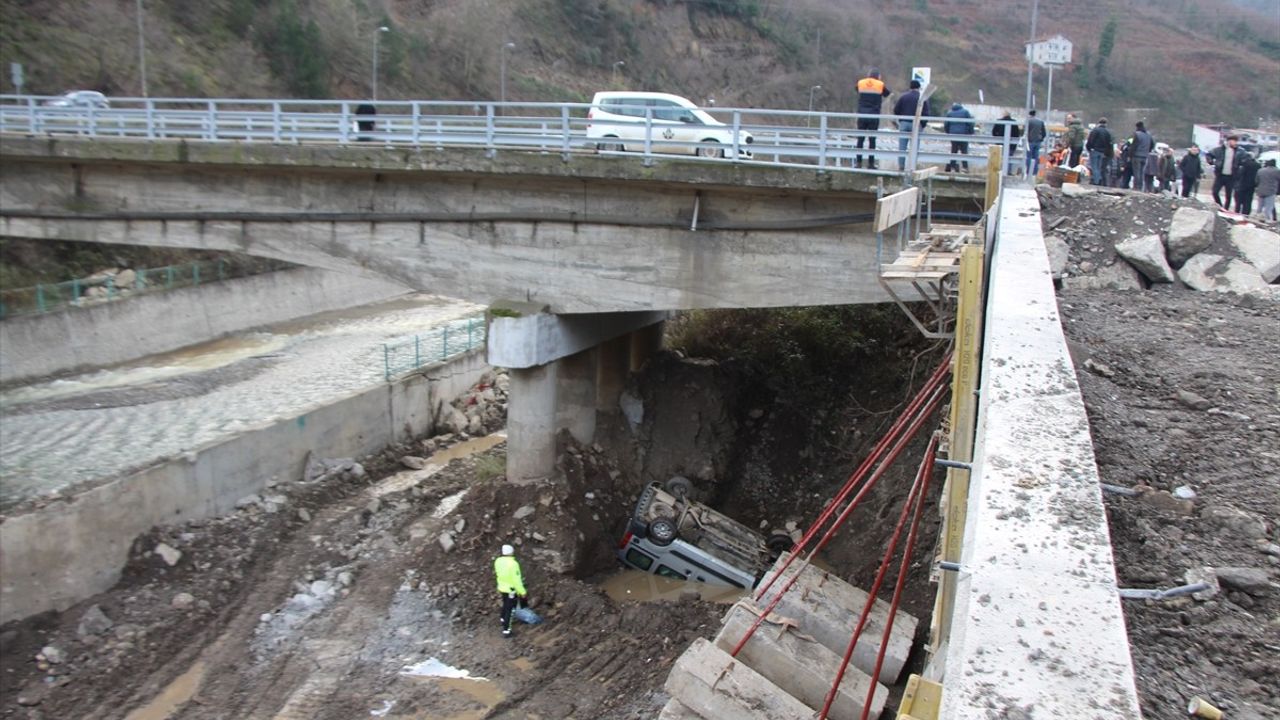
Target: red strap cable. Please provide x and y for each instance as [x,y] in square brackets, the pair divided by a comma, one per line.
[897,449]
[939,374]
[916,490]
[927,470]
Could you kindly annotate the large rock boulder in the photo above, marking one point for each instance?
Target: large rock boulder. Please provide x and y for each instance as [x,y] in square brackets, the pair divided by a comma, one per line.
[1190,232]
[1147,255]
[1207,271]
[1118,276]
[1059,253]
[1261,247]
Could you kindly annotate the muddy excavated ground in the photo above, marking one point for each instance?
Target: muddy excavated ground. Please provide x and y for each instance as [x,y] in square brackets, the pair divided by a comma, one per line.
[1182,390]
[331,598]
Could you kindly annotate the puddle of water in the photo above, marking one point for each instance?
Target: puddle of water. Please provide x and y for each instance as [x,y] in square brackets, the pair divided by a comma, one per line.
[205,356]
[478,689]
[406,479]
[643,587]
[172,697]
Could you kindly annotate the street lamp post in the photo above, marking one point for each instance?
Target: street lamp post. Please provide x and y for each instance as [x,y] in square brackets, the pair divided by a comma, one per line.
[377,34]
[808,121]
[142,51]
[502,71]
[617,65]
[1035,8]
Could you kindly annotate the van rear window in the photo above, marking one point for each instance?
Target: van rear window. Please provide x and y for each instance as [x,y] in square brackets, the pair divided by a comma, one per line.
[639,559]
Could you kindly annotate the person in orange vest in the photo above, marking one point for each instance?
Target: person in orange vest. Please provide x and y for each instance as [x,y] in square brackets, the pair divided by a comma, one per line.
[510,585]
[871,93]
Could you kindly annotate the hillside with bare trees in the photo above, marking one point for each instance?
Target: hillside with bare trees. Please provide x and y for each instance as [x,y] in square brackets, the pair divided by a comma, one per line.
[1174,61]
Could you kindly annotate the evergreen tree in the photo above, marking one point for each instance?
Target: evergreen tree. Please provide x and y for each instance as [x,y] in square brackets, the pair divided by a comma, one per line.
[1106,43]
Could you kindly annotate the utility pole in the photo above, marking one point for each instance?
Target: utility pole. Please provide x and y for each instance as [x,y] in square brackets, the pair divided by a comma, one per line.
[502,72]
[1035,8]
[142,50]
[376,35]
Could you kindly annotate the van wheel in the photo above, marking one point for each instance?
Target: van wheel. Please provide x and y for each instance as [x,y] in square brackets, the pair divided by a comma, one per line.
[680,486]
[662,531]
[611,146]
[710,151]
[779,543]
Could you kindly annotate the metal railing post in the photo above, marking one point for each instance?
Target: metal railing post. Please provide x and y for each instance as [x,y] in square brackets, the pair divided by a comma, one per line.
[168,277]
[565,131]
[275,121]
[822,143]
[111,287]
[149,108]
[40,297]
[75,289]
[195,273]
[386,363]
[211,132]
[417,352]
[737,127]
[470,326]
[344,124]
[31,115]
[648,137]
[1006,160]
[489,130]
[444,338]
[417,123]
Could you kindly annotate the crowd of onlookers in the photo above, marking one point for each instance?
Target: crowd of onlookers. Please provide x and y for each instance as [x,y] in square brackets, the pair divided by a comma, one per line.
[1138,162]
[1135,161]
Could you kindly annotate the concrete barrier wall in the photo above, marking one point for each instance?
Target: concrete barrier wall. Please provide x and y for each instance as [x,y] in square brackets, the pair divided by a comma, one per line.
[107,333]
[53,557]
[1038,622]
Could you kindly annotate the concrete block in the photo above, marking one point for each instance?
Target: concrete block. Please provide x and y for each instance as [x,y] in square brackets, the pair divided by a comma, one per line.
[800,665]
[827,608]
[676,710]
[711,683]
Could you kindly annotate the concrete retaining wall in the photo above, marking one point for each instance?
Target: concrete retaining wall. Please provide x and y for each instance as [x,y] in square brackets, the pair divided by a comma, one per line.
[55,556]
[107,333]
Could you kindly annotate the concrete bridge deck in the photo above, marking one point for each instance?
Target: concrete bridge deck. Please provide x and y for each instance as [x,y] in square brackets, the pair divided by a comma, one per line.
[584,234]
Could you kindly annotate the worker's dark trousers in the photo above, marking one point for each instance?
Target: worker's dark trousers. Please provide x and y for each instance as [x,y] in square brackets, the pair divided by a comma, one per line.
[1223,183]
[867,124]
[508,604]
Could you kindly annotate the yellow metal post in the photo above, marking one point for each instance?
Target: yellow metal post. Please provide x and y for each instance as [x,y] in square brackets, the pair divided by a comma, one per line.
[994,165]
[921,700]
[963,420]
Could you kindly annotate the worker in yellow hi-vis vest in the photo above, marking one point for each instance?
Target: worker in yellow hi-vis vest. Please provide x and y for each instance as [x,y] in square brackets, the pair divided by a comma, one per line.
[510,584]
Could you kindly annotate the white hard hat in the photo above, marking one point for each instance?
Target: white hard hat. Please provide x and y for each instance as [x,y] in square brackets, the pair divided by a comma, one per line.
[508,550]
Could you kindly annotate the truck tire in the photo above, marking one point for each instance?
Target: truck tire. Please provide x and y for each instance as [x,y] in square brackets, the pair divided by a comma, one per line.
[662,531]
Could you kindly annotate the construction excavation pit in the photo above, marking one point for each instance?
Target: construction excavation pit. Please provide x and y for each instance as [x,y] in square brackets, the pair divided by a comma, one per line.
[366,587]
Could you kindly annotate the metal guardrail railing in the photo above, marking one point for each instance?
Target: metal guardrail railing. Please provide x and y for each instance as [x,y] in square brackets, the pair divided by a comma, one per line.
[103,287]
[789,138]
[434,345]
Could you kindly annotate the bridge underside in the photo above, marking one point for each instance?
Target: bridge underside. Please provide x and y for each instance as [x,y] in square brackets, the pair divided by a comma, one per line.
[590,235]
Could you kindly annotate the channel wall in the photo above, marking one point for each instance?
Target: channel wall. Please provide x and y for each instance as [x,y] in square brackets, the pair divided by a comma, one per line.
[107,333]
[57,555]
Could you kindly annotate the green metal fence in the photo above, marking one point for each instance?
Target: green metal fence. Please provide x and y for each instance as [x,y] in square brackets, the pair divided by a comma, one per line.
[48,297]
[434,345]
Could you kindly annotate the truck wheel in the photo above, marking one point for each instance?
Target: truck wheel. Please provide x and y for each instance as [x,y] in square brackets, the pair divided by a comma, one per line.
[680,486]
[662,531]
[779,543]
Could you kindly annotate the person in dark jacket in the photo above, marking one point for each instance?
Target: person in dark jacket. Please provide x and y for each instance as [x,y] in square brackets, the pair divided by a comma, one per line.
[1139,148]
[1099,146]
[906,106]
[1192,171]
[1035,136]
[1006,126]
[1245,184]
[1226,159]
[871,94]
[1268,187]
[1075,139]
[1167,170]
[959,122]
[1150,171]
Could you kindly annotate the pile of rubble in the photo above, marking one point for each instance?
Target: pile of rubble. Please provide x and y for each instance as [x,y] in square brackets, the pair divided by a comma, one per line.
[1102,238]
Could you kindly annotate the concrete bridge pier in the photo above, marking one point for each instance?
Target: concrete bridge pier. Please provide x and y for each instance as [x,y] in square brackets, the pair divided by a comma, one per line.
[564,368]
